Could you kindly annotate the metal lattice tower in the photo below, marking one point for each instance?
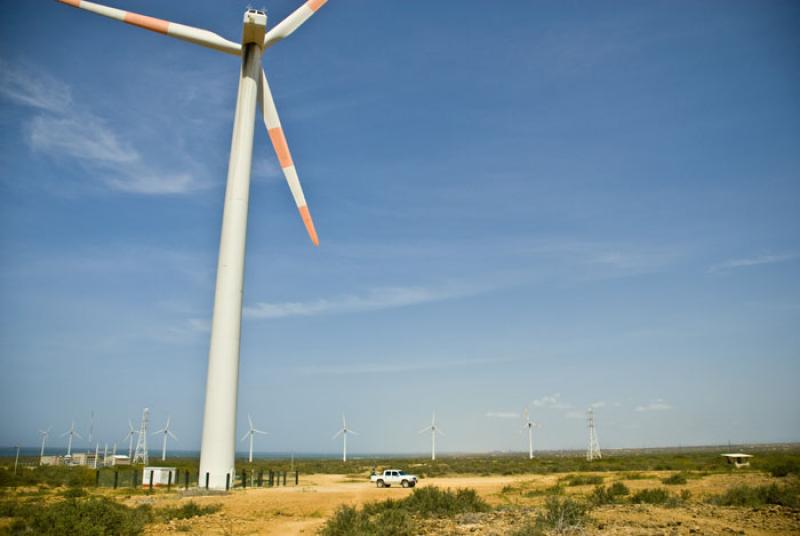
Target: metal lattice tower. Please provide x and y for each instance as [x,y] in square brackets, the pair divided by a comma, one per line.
[141,443]
[593,451]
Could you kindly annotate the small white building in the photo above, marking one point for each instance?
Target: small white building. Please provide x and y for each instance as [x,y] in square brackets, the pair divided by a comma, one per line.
[737,459]
[161,475]
[117,459]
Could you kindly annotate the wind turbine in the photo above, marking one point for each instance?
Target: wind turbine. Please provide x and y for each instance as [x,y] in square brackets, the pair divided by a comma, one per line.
[343,432]
[44,434]
[71,432]
[434,430]
[129,437]
[218,445]
[166,431]
[530,425]
[251,432]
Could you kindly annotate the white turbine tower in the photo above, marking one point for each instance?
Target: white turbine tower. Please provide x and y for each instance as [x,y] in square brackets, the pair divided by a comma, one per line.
[218,446]
[129,437]
[167,432]
[71,432]
[434,430]
[343,432]
[530,425]
[251,432]
[44,434]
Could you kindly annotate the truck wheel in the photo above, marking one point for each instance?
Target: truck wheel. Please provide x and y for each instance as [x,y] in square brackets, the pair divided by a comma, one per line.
[404,483]
[412,484]
[380,483]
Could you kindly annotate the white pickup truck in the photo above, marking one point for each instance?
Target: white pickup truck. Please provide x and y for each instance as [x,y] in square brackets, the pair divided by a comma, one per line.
[393,476]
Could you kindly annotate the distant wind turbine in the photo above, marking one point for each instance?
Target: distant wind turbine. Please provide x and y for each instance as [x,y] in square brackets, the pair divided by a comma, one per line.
[434,430]
[44,433]
[166,431]
[251,432]
[343,432]
[530,425]
[71,432]
[129,437]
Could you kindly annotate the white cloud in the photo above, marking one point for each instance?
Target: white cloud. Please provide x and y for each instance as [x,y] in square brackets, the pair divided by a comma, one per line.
[61,129]
[656,405]
[374,299]
[732,264]
[551,401]
[502,414]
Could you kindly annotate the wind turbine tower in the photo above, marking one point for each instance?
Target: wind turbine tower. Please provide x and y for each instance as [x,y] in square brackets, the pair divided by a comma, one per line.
[129,437]
[343,432]
[44,434]
[141,442]
[218,445]
[71,432]
[434,428]
[167,432]
[593,452]
[530,425]
[250,433]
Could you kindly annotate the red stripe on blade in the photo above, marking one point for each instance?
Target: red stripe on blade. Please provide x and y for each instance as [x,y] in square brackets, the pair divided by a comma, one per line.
[315,4]
[281,148]
[148,23]
[306,215]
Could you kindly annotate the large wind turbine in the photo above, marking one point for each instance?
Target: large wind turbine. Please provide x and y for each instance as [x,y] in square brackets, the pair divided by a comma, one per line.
[71,432]
[167,432]
[251,432]
[129,437]
[44,434]
[434,430]
[343,432]
[530,425]
[218,446]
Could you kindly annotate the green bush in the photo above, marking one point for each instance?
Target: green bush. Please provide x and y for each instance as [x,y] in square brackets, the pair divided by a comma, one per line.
[349,521]
[758,496]
[673,480]
[188,510]
[611,495]
[785,468]
[432,501]
[582,480]
[562,515]
[660,496]
[96,516]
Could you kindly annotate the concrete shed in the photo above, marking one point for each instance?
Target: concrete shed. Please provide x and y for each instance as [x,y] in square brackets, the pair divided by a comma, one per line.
[738,459]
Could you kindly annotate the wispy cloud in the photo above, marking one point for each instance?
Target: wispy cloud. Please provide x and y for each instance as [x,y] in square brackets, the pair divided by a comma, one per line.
[551,401]
[656,405]
[61,128]
[397,366]
[732,264]
[502,414]
[372,300]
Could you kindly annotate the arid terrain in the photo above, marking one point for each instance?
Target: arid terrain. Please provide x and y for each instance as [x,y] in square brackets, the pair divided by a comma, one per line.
[304,509]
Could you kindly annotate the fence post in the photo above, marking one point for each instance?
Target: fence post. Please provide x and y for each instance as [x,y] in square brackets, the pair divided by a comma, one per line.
[260,478]
[133,479]
[296,477]
[227,481]
[116,478]
[284,478]
[186,480]
[169,481]
[206,480]
[151,479]
[269,478]
[97,478]
[244,478]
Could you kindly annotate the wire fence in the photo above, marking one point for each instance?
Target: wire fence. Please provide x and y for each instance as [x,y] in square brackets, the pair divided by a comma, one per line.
[150,479]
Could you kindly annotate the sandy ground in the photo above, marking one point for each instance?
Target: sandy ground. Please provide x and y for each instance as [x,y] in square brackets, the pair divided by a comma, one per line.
[304,509]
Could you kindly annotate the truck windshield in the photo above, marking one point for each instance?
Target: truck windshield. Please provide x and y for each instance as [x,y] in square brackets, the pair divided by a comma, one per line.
[401,473]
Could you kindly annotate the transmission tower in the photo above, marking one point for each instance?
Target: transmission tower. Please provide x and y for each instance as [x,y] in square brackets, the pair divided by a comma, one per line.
[594,446]
[141,443]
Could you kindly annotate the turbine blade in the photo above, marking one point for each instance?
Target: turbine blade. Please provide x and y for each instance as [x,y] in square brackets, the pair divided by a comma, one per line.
[353,432]
[77,434]
[65,433]
[424,430]
[245,436]
[260,431]
[275,131]
[288,25]
[250,421]
[191,34]
[172,435]
[337,434]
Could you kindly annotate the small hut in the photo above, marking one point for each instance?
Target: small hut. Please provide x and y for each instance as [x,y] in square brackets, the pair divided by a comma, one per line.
[738,459]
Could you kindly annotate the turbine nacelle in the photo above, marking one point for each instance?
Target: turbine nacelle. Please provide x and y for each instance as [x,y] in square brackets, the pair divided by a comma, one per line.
[255,27]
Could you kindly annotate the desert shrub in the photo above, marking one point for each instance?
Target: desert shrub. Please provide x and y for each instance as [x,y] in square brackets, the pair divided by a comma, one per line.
[563,515]
[51,475]
[610,495]
[784,468]
[529,528]
[582,480]
[660,496]
[552,490]
[73,492]
[188,510]
[97,516]
[675,479]
[433,501]
[348,521]
[752,496]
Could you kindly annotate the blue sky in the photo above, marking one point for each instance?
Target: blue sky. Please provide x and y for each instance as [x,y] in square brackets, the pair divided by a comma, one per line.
[553,204]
